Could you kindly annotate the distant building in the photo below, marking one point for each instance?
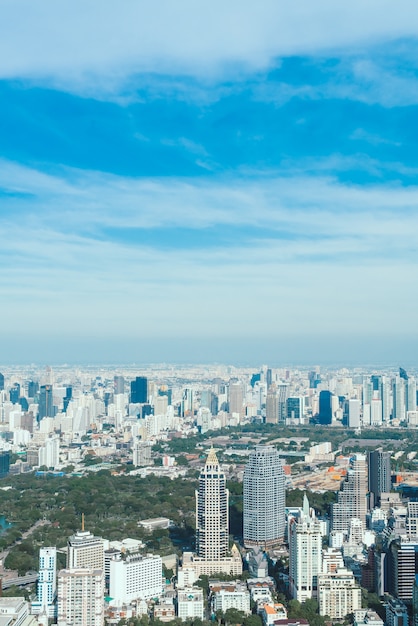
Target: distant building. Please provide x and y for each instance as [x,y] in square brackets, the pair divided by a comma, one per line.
[190,604]
[4,463]
[352,497]
[379,475]
[338,594]
[139,390]
[85,550]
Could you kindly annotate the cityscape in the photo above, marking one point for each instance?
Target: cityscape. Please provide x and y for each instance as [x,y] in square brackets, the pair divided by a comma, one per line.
[208,328]
[297,486]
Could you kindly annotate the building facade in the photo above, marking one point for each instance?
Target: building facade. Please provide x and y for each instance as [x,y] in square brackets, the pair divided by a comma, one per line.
[264,498]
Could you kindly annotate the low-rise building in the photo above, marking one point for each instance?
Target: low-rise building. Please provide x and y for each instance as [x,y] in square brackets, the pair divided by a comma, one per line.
[190,603]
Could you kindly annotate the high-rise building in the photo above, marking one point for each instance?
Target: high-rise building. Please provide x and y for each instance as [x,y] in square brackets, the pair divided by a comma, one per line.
[338,594]
[353,413]
[119,384]
[46,402]
[325,407]
[295,408]
[398,393]
[14,393]
[283,394]
[47,583]
[272,406]
[80,597]
[135,577]
[33,388]
[49,453]
[85,550]
[305,554]
[264,498]
[4,463]
[379,475]
[139,390]
[212,514]
[236,397]
[1,381]
[352,497]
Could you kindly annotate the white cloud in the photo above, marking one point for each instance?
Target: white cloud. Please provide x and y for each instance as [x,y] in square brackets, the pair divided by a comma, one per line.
[91,45]
[65,268]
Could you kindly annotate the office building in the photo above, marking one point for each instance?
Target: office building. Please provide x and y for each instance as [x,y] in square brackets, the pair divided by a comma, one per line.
[325,407]
[272,406]
[264,498]
[236,398]
[379,475]
[402,569]
[352,497]
[47,583]
[135,577]
[212,514]
[4,463]
[46,402]
[118,384]
[80,597]
[1,381]
[139,390]
[294,409]
[305,554]
[354,407]
[14,393]
[399,397]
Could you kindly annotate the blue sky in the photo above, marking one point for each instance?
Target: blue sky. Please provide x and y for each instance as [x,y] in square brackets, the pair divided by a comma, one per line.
[193,182]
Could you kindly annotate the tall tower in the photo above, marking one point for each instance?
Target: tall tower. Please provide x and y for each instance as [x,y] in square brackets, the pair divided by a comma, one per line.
[212,521]
[46,402]
[139,390]
[305,554]
[379,475]
[352,497]
[264,498]
[47,583]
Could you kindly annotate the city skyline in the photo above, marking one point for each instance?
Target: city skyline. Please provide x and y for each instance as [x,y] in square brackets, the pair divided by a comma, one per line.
[200,182]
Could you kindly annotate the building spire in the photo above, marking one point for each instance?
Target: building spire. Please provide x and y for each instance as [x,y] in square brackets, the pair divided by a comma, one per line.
[305,507]
[82,522]
[212,458]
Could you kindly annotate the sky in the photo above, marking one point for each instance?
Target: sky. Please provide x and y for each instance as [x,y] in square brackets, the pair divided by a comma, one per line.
[208,181]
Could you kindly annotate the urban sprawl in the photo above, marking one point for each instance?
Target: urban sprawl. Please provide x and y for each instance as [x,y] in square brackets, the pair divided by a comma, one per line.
[256,496]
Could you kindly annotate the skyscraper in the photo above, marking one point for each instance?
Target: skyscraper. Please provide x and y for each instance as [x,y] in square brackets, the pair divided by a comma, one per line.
[379,475]
[264,498]
[119,384]
[139,390]
[46,402]
[1,382]
[305,554]
[352,497]
[212,519]
[47,583]
[325,407]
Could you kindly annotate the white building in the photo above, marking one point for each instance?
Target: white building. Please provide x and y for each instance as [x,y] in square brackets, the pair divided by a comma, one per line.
[49,453]
[47,583]
[305,554]
[190,603]
[13,611]
[232,598]
[338,594]
[135,577]
[85,550]
[264,498]
[80,597]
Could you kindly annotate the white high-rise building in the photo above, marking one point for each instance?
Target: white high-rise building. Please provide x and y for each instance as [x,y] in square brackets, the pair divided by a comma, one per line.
[338,594]
[354,413]
[212,515]
[264,498]
[49,453]
[305,554]
[85,550]
[80,597]
[47,583]
[135,577]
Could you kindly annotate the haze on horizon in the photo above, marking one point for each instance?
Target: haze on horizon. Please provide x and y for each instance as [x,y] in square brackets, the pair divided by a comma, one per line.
[195,182]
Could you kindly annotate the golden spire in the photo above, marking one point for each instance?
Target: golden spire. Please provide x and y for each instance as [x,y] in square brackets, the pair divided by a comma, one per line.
[82,522]
[212,458]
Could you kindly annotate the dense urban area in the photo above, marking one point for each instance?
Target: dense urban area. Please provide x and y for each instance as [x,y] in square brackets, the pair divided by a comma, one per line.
[199,494]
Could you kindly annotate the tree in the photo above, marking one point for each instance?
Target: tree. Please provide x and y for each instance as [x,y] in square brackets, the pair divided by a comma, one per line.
[233,616]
